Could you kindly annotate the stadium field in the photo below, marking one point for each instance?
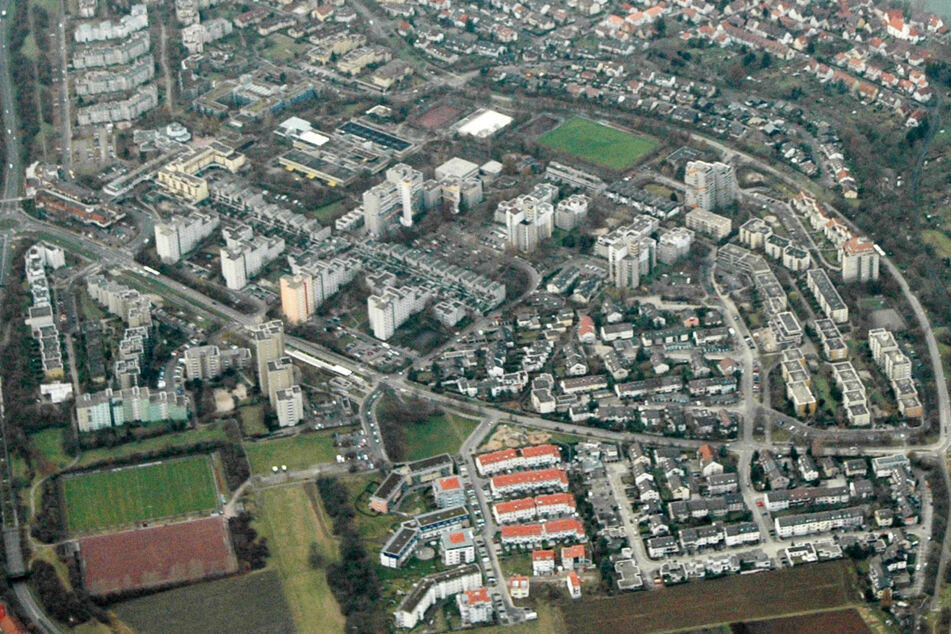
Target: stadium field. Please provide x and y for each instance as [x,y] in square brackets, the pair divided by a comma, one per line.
[598,144]
[121,497]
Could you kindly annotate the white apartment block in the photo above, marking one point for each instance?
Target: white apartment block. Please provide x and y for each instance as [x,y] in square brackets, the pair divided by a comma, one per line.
[289,404]
[390,309]
[432,588]
[280,376]
[674,244]
[122,28]
[268,342]
[860,260]
[828,297]
[400,193]
[528,221]
[820,522]
[112,53]
[570,212]
[245,255]
[714,225]
[312,283]
[179,236]
[208,362]
[710,186]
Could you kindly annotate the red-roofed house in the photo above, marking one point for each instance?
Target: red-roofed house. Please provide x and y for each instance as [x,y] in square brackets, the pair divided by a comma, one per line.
[540,456]
[586,331]
[519,586]
[522,534]
[543,562]
[8,623]
[507,484]
[497,461]
[573,582]
[555,504]
[475,606]
[514,511]
[574,557]
[572,528]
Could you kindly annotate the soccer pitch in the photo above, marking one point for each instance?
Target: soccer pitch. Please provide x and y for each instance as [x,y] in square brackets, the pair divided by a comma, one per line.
[598,144]
[122,497]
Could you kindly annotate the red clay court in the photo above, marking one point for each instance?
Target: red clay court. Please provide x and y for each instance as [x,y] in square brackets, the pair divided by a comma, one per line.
[439,117]
[152,557]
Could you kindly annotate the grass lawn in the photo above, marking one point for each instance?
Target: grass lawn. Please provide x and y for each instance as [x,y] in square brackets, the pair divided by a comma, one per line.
[49,443]
[442,433]
[329,212]
[372,526]
[252,420]
[598,144]
[189,437]
[89,308]
[297,452]
[246,604]
[120,497]
[517,563]
[288,519]
[282,48]
[939,241]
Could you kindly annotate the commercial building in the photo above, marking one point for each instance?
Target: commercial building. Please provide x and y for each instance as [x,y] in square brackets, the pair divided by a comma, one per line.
[179,236]
[710,186]
[390,309]
[209,362]
[714,225]
[859,258]
[827,296]
[181,175]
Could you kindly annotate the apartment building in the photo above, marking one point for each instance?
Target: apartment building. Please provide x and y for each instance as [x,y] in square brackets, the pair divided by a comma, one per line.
[125,26]
[528,221]
[457,547]
[710,186]
[110,408]
[674,244]
[127,303]
[819,522]
[209,362]
[179,236]
[245,255]
[508,484]
[268,342]
[435,587]
[289,405]
[390,309]
[709,223]
[280,376]
[754,233]
[827,296]
[312,283]
[860,260]
[401,193]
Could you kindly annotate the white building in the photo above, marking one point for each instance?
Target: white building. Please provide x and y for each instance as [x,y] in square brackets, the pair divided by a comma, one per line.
[246,254]
[179,236]
[859,259]
[457,547]
[570,212]
[674,244]
[528,221]
[390,309]
[399,194]
[289,404]
[710,186]
[434,588]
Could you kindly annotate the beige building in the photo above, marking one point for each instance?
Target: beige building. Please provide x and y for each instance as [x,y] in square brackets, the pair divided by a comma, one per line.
[297,297]
[268,342]
[709,185]
[714,225]
[859,259]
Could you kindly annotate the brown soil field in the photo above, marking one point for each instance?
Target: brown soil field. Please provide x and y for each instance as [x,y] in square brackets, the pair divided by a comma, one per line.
[727,600]
[840,621]
[158,556]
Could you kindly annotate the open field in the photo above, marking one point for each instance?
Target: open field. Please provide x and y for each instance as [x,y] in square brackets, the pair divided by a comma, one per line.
[121,497]
[289,518]
[712,602]
[297,452]
[192,436]
[939,241]
[598,144]
[49,443]
[815,623]
[158,556]
[550,620]
[442,433]
[371,525]
[249,604]
[252,420]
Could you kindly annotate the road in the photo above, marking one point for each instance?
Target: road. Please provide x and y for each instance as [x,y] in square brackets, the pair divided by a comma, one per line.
[65,116]
[12,177]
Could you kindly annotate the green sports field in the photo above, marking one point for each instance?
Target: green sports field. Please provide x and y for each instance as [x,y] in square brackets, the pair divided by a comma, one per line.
[598,144]
[125,496]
